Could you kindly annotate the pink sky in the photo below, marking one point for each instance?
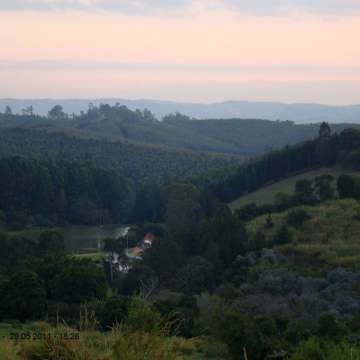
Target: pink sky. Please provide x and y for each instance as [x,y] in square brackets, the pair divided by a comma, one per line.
[201,54]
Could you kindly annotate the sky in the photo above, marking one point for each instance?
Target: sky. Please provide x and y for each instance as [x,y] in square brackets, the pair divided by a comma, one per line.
[182,50]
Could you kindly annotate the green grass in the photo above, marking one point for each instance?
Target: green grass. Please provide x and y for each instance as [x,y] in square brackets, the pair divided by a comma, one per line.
[266,195]
[6,328]
[96,256]
[76,237]
[328,240]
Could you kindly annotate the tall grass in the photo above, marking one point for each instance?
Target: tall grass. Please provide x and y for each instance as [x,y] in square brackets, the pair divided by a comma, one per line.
[144,335]
[329,239]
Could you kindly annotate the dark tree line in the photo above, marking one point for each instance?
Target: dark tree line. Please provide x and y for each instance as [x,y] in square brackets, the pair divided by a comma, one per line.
[34,192]
[83,194]
[326,150]
[37,278]
[247,137]
[138,162]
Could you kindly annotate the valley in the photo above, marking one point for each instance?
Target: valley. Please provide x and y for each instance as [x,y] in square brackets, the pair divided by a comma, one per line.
[179,180]
[190,252]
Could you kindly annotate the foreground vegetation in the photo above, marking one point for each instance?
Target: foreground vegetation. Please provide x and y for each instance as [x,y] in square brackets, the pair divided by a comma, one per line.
[145,334]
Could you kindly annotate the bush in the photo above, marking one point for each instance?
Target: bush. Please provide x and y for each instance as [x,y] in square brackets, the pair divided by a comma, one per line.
[315,349]
[112,311]
[328,326]
[297,217]
[8,351]
[346,186]
[79,282]
[196,276]
[300,330]
[143,318]
[138,276]
[51,243]
[283,235]
[145,346]
[25,298]
[144,335]
[259,241]
[312,349]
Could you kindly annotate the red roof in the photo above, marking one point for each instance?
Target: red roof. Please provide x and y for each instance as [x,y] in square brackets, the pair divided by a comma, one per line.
[149,237]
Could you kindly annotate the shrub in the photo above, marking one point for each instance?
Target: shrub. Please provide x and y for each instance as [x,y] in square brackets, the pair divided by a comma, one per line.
[112,311]
[328,326]
[283,235]
[315,349]
[346,186]
[8,351]
[25,298]
[143,318]
[79,282]
[297,217]
[145,346]
[311,349]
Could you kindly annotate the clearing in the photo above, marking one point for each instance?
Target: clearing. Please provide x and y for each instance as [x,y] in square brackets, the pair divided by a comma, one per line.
[266,195]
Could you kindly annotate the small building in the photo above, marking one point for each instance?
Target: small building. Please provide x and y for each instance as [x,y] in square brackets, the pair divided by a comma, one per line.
[148,240]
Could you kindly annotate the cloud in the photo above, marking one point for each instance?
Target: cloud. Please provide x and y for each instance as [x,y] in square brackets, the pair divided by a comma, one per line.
[281,7]
[254,7]
[91,65]
[122,6]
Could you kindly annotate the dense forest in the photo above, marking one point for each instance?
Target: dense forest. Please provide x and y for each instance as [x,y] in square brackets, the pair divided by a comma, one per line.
[44,193]
[139,163]
[148,170]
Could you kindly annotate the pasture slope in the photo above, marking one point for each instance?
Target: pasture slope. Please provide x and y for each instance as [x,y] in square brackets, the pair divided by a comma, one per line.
[266,195]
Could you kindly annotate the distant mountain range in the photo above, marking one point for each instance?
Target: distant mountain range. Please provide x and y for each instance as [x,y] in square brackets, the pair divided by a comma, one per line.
[299,113]
[244,137]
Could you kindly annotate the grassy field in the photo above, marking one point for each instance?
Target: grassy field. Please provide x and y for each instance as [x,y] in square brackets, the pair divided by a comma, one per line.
[266,195]
[329,239]
[77,238]
[95,256]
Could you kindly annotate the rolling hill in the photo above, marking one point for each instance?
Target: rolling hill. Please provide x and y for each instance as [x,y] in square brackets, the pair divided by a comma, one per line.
[118,123]
[328,239]
[300,113]
[137,162]
[267,194]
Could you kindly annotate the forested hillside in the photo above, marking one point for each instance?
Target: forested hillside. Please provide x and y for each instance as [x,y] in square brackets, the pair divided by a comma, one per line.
[251,136]
[137,162]
[326,150]
[271,281]
[114,123]
[274,280]
[214,285]
[34,192]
